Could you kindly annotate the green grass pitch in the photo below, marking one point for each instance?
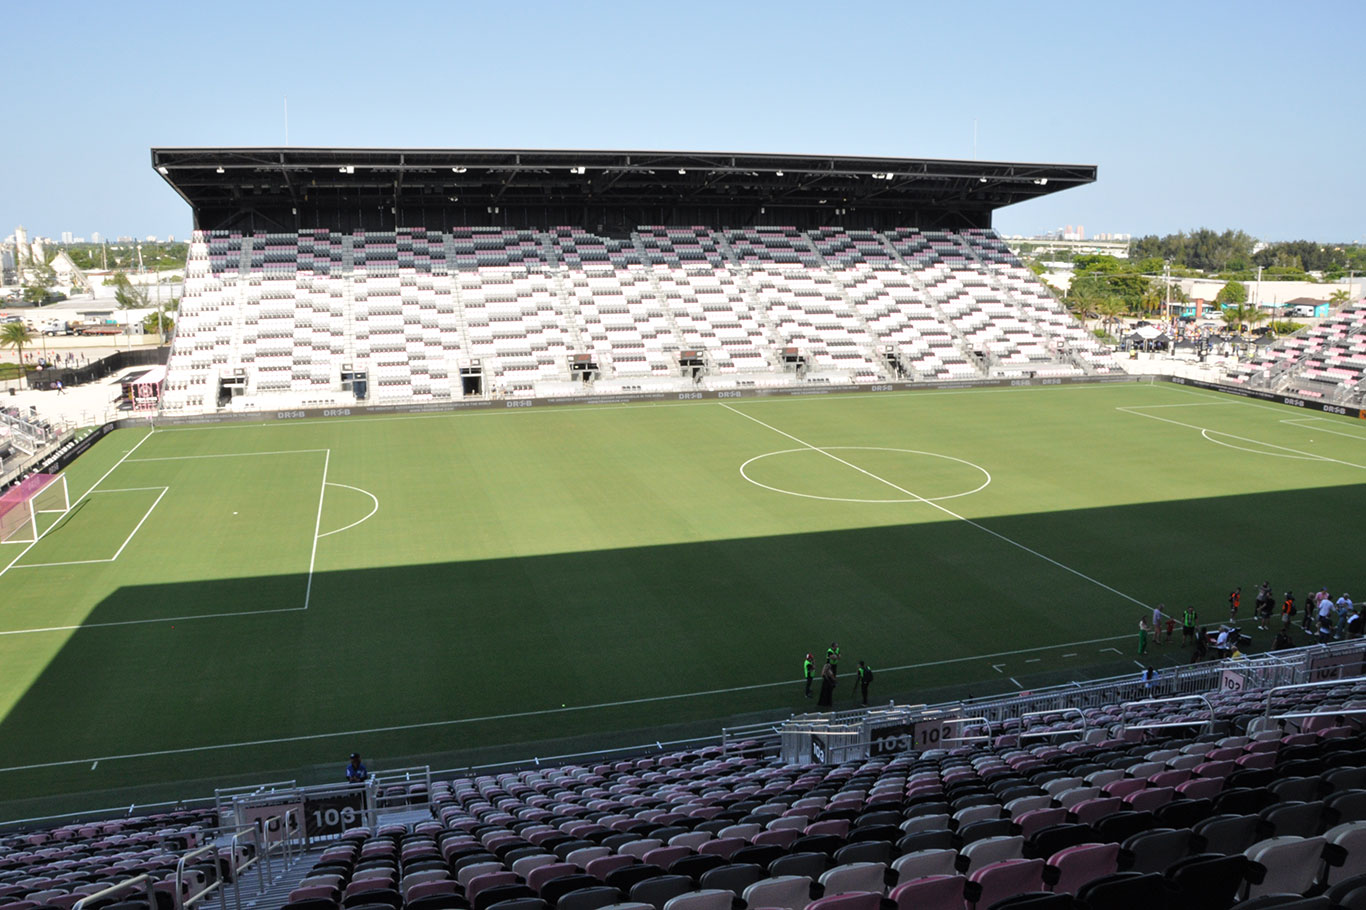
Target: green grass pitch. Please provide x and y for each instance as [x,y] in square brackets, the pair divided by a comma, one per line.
[433,588]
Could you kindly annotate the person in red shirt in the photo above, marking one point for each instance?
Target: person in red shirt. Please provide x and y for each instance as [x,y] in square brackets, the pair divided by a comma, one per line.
[1235,597]
[1287,608]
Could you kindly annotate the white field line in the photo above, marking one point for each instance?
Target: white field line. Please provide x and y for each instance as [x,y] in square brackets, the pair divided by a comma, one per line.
[947,511]
[1304,423]
[82,562]
[372,496]
[1314,456]
[231,455]
[584,408]
[82,626]
[79,498]
[139,525]
[308,591]
[317,526]
[460,721]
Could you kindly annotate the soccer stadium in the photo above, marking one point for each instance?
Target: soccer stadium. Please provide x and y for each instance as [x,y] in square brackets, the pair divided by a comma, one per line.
[676,531]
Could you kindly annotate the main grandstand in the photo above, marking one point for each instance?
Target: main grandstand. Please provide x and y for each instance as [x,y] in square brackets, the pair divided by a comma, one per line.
[332,277]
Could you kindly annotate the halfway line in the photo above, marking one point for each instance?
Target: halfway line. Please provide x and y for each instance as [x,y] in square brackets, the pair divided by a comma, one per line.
[947,511]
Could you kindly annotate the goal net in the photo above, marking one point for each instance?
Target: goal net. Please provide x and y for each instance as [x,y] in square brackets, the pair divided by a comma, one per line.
[22,503]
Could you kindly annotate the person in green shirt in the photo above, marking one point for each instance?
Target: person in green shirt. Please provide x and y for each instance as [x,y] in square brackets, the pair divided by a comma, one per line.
[810,668]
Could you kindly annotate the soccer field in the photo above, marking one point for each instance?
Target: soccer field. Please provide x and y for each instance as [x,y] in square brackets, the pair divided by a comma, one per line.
[238,603]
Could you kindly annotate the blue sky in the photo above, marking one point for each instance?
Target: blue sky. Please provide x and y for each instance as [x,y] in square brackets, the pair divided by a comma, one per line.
[1214,114]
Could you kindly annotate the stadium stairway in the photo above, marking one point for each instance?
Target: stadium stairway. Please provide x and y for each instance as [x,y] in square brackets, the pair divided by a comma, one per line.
[277,894]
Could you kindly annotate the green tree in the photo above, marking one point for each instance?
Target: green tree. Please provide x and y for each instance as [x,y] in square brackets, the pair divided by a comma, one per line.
[16,335]
[1232,292]
[39,278]
[1110,310]
[152,325]
[129,296]
[1339,297]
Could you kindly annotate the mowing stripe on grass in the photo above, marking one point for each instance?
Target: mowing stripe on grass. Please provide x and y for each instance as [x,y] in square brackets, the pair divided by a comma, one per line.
[426,725]
[947,511]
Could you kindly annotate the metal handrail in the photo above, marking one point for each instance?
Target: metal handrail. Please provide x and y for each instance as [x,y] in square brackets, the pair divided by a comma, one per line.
[1159,701]
[1319,713]
[216,884]
[143,879]
[1063,711]
[1270,693]
[963,722]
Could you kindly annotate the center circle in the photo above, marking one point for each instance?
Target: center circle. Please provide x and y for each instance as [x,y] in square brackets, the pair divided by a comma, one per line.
[747,473]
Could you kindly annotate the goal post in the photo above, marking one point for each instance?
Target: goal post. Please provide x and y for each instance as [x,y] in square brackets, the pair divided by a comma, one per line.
[22,503]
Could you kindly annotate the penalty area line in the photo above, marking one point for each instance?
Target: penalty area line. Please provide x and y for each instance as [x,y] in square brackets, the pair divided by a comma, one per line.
[541,712]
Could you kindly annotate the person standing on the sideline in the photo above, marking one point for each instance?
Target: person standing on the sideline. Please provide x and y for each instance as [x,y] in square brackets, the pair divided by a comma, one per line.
[827,699]
[865,676]
[355,770]
[1188,620]
[832,655]
[1142,636]
[1235,597]
[809,667]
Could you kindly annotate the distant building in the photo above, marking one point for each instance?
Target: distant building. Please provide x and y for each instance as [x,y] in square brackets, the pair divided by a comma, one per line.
[66,237]
[96,237]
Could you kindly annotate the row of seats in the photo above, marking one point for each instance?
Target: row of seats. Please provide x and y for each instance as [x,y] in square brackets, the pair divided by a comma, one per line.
[413,306]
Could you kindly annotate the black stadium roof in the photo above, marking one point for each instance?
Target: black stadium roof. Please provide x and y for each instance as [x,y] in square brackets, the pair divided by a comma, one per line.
[607,191]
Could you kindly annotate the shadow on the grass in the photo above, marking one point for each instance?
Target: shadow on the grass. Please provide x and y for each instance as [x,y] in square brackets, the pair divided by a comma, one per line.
[456,664]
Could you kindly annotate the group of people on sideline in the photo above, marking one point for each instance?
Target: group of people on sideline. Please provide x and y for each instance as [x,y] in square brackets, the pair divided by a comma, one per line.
[1322,618]
[829,676]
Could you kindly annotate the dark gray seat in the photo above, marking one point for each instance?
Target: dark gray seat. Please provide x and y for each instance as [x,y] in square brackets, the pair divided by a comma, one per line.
[1156,849]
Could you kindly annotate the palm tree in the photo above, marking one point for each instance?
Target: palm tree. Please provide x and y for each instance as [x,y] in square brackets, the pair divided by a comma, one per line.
[1110,309]
[1339,297]
[16,335]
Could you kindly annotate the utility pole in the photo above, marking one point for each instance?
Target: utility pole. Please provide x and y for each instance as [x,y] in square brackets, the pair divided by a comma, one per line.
[1167,284]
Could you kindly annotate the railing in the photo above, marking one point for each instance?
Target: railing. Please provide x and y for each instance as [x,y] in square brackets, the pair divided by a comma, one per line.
[397,777]
[181,901]
[1026,734]
[1271,693]
[963,723]
[1209,724]
[121,888]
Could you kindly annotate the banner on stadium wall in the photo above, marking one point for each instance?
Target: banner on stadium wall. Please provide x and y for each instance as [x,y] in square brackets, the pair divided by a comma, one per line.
[1290,400]
[359,410]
